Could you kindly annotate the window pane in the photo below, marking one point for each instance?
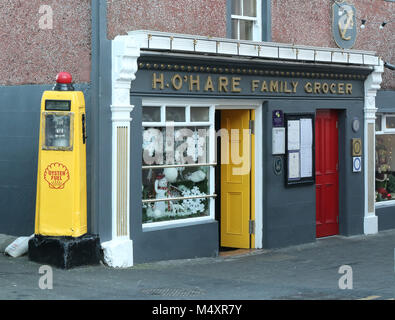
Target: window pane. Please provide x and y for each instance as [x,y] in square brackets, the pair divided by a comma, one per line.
[385,167]
[235,29]
[390,122]
[151,114]
[245,30]
[153,146]
[175,183]
[176,114]
[174,145]
[57,130]
[236,7]
[378,122]
[199,114]
[249,8]
[191,145]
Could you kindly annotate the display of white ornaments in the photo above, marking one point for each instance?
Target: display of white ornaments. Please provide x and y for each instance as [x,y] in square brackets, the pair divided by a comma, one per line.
[196,176]
[171,174]
[161,189]
[166,186]
[152,141]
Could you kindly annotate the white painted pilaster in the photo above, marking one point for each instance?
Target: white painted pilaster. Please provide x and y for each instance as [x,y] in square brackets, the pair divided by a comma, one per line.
[118,252]
[372,84]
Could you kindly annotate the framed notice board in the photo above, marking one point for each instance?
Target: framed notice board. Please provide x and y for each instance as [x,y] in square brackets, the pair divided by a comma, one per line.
[300,148]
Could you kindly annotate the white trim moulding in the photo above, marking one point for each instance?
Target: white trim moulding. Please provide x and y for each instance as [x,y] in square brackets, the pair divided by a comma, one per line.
[154,40]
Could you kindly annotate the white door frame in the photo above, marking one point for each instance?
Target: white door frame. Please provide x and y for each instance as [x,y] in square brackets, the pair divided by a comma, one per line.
[257,105]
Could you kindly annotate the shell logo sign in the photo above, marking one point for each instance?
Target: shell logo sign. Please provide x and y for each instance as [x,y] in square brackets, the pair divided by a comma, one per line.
[56,174]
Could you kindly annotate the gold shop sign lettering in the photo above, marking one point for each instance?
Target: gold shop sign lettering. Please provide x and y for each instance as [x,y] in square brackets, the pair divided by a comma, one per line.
[236,84]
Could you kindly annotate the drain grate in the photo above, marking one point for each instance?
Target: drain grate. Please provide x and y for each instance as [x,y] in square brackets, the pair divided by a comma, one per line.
[172,292]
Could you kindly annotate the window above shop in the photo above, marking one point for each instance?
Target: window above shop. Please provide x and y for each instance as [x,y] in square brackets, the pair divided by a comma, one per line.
[247,21]
[385,159]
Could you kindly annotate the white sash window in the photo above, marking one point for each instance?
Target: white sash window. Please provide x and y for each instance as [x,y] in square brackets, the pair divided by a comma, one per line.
[247,20]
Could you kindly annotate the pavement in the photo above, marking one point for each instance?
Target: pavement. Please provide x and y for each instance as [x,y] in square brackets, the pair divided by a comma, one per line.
[5,240]
[306,272]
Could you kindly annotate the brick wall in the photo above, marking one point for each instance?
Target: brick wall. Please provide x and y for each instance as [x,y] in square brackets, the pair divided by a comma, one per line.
[30,55]
[309,23]
[200,17]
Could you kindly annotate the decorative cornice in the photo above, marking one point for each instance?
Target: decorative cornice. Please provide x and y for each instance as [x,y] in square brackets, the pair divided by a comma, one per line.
[246,71]
[372,85]
[373,81]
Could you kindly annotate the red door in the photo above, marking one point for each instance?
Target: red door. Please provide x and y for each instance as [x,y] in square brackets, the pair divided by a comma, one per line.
[327,174]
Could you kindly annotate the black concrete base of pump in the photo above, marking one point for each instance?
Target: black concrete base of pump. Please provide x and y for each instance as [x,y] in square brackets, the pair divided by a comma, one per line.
[65,252]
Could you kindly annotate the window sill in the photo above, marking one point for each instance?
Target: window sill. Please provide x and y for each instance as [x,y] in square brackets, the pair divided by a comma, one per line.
[384,204]
[154,226]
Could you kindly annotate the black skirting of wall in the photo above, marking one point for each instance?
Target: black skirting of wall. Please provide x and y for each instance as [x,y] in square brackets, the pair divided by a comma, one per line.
[65,252]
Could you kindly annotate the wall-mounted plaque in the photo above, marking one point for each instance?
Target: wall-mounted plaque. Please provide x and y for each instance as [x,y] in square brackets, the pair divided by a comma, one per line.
[278,118]
[344,24]
[277,165]
[355,125]
[356,164]
[356,147]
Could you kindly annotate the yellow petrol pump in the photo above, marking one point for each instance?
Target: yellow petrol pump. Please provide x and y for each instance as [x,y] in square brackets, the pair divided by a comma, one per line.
[61,202]
[61,178]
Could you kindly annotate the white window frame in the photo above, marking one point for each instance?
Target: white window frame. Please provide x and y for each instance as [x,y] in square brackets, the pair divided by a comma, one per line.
[151,226]
[257,22]
[385,131]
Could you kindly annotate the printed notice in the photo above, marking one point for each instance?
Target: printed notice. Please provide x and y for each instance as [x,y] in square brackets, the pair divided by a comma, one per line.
[278,141]
[306,162]
[293,165]
[306,143]
[293,135]
[306,133]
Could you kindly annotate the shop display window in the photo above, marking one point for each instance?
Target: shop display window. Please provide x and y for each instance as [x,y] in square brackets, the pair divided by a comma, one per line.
[385,160]
[177,172]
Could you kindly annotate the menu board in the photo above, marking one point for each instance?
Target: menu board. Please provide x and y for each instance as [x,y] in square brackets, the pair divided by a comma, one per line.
[300,149]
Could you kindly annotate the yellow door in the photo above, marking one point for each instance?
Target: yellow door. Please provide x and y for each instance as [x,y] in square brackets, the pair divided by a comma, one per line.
[236,165]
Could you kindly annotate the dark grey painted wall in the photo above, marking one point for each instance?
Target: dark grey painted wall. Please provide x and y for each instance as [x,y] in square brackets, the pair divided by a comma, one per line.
[289,216]
[385,102]
[101,142]
[19,135]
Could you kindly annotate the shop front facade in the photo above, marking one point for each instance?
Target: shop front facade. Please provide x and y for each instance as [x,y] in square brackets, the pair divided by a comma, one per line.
[239,144]
[311,126]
